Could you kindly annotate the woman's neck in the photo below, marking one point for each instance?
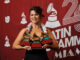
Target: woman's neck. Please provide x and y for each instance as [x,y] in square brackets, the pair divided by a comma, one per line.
[36,25]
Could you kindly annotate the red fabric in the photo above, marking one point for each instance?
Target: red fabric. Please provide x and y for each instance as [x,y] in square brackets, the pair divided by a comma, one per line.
[47,41]
[25,43]
[37,45]
[68,14]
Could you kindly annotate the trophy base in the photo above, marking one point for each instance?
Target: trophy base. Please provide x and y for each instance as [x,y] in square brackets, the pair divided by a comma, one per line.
[52,24]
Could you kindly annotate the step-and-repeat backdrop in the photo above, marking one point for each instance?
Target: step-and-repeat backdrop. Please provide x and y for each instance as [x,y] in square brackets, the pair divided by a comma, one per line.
[61,16]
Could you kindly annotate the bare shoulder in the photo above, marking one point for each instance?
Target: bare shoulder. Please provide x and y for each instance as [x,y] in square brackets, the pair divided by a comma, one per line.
[48,30]
[21,33]
[50,33]
[23,30]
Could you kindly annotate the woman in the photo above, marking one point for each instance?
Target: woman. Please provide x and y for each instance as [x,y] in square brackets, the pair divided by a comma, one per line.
[37,29]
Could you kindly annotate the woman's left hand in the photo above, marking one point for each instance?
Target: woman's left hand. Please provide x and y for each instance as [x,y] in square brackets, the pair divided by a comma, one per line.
[45,46]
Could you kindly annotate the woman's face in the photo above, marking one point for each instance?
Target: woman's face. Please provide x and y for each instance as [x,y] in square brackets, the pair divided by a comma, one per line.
[34,17]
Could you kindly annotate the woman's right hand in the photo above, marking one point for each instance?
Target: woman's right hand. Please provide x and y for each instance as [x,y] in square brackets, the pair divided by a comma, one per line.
[27,48]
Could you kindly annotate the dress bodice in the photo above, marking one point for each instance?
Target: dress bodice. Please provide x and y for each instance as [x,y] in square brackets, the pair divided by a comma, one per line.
[36,41]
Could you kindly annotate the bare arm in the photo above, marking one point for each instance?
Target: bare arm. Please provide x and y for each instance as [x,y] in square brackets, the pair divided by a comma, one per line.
[16,44]
[55,44]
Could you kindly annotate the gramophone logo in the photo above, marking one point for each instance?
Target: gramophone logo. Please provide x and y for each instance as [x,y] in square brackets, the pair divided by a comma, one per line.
[7,19]
[23,21]
[6,1]
[52,18]
[7,44]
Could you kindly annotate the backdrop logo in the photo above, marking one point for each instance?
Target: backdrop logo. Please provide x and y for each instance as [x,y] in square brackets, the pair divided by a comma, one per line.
[73,10]
[68,41]
[77,27]
[23,21]
[7,19]
[7,44]
[6,1]
[52,18]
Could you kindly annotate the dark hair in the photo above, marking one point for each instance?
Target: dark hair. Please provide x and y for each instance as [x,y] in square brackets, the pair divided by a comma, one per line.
[37,9]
